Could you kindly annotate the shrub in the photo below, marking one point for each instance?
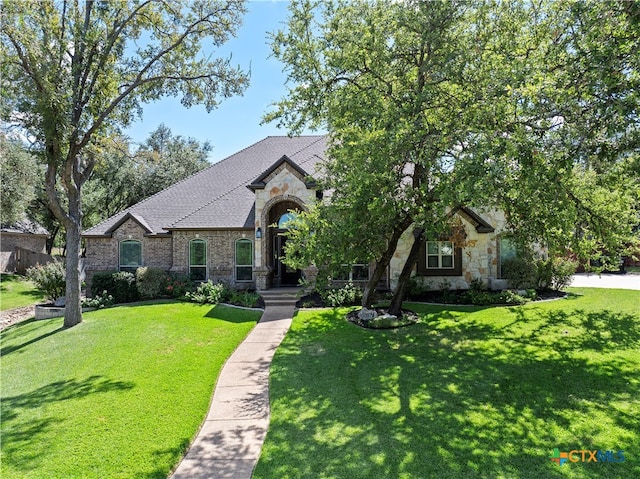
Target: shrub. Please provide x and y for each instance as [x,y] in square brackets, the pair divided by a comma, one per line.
[100,301]
[348,295]
[417,287]
[177,286]
[562,271]
[248,299]
[49,278]
[209,293]
[151,282]
[520,271]
[121,285]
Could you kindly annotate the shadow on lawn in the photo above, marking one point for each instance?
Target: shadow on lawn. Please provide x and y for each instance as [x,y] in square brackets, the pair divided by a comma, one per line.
[20,427]
[468,400]
[16,330]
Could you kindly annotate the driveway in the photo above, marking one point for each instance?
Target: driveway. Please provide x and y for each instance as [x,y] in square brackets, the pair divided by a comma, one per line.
[618,281]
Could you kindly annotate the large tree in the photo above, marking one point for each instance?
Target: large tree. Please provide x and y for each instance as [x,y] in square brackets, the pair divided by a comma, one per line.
[436,105]
[19,177]
[75,71]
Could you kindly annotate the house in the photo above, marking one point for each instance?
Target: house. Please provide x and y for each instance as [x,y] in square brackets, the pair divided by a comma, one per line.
[225,223]
[22,245]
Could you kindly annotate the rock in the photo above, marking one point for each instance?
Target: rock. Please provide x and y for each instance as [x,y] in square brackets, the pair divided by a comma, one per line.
[387,316]
[367,314]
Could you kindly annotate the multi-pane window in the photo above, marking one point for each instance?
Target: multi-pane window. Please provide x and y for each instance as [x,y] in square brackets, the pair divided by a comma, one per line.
[130,255]
[244,260]
[354,272]
[440,255]
[198,260]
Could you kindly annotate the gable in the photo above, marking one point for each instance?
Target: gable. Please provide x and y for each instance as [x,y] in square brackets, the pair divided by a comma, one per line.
[284,163]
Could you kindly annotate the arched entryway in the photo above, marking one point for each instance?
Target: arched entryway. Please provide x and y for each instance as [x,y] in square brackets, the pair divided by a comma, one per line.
[278,217]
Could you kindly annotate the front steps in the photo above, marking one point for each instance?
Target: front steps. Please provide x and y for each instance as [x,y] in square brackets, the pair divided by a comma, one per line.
[280,296]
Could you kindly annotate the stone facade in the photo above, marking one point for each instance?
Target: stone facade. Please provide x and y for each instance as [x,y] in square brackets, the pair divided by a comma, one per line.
[480,255]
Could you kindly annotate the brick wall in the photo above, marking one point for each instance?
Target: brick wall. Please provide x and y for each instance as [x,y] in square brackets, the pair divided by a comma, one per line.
[102,253]
[220,253]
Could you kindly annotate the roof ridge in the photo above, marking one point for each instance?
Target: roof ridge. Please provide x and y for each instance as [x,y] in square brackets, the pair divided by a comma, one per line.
[243,183]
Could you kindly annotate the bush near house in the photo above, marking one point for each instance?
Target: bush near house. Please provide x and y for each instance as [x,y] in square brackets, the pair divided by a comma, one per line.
[119,284]
[151,282]
[49,278]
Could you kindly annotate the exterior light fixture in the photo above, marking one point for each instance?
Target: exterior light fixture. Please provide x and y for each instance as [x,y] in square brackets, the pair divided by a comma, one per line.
[258,233]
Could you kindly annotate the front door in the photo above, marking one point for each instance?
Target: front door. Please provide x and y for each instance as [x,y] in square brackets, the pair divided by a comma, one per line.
[285,275]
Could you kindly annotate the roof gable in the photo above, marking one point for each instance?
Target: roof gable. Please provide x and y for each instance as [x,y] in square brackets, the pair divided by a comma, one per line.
[284,162]
[130,216]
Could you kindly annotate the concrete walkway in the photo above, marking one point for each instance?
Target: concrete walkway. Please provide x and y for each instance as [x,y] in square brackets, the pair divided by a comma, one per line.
[615,281]
[229,442]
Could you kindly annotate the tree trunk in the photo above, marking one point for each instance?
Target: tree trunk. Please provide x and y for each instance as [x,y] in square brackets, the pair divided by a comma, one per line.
[73,308]
[395,307]
[382,264]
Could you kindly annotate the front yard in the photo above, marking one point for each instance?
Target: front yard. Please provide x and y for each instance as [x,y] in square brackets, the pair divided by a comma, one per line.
[467,392]
[119,396]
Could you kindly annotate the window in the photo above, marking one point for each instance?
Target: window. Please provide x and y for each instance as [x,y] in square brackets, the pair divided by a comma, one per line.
[244,260]
[354,272]
[508,252]
[198,260]
[130,255]
[440,258]
[284,219]
[440,255]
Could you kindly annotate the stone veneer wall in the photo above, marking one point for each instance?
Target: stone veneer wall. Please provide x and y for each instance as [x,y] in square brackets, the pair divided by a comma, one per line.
[102,253]
[220,253]
[282,185]
[479,256]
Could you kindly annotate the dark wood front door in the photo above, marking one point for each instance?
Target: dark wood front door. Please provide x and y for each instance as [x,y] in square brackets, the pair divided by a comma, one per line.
[284,275]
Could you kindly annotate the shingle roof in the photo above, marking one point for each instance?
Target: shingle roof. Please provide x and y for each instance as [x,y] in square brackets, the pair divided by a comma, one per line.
[218,197]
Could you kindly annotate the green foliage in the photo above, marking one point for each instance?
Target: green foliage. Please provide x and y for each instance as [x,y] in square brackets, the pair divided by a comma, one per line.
[120,284]
[528,270]
[209,293]
[531,109]
[103,300]
[49,278]
[347,295]
[177,286]
[19,177]
[81,71]
[247,299]
[417,287]
[151,282]
[520,271]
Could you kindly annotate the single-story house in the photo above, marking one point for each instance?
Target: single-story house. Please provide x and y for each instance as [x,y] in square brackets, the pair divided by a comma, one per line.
[22,245]
[225,223]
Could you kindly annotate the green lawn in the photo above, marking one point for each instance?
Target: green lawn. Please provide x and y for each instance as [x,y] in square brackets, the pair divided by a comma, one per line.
[16,291]
[119,396]
[468,392]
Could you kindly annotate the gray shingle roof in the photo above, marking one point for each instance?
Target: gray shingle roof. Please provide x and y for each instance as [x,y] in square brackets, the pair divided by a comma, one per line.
[218,197]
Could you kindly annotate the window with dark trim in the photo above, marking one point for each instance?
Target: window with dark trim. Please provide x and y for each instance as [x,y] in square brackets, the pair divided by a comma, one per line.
[440,258]
[354,272]
[244,260]
[130,255]
[198,260]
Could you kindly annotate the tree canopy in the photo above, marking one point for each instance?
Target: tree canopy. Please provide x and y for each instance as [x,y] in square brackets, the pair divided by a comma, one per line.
[75,72]
[530,107]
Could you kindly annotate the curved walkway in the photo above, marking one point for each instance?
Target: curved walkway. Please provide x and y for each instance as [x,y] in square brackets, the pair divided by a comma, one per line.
[231,437]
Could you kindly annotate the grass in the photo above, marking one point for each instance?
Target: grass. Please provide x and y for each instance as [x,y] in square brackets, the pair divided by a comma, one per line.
[467,392]
[16,292]
[119,396]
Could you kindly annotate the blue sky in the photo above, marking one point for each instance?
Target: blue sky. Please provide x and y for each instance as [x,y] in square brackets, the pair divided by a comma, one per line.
[235,124]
